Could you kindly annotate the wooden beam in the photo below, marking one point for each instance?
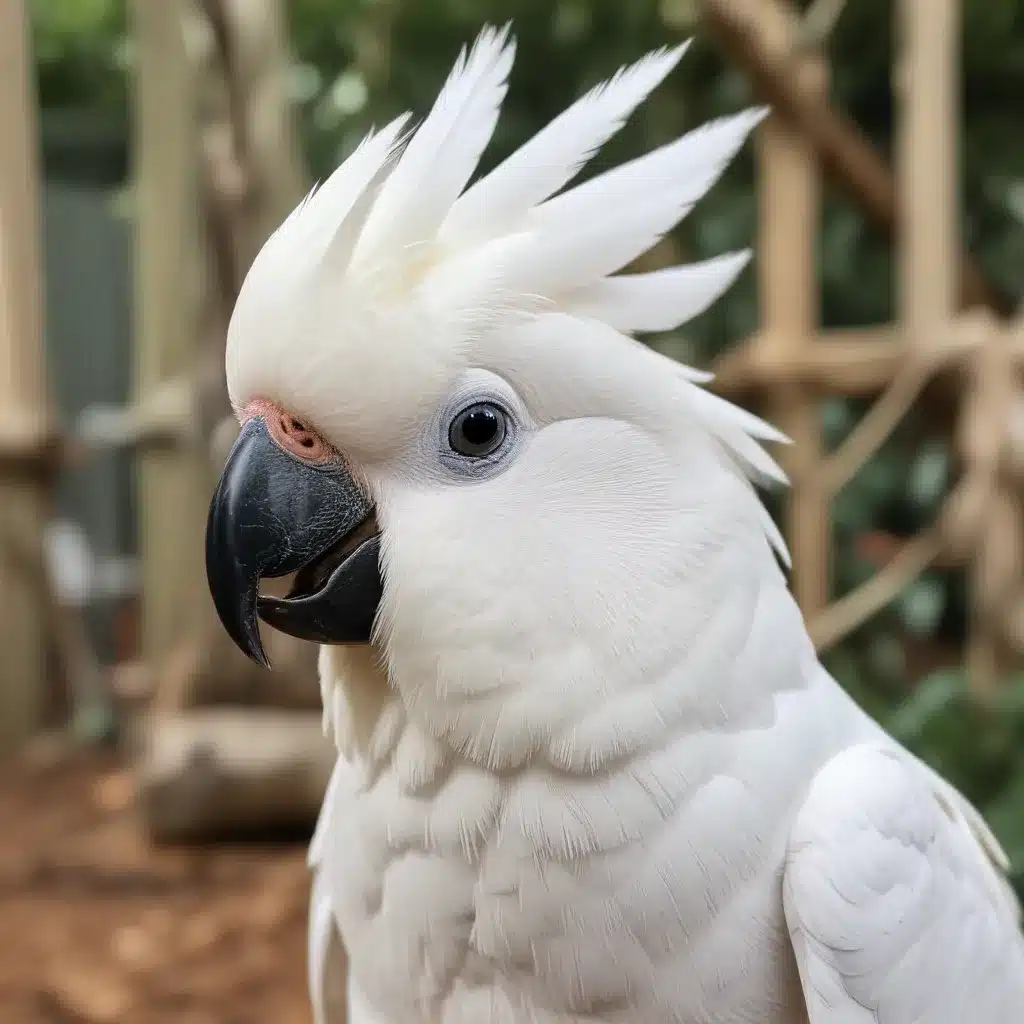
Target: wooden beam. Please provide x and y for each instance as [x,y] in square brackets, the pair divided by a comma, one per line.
[927,164]
[790,202]
[24,502]
[255,45]
[172,483]
[250,176]
[928,81]
[859,361]
[854,362]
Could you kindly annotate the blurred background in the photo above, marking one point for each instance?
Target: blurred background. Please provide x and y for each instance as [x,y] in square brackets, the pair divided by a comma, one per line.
[157,790]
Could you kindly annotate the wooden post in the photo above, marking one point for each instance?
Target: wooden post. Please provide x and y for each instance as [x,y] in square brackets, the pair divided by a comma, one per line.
[790,212]
[928,158]
[259,46]
[928,187]
[172,484]
[261,764]
[24,409]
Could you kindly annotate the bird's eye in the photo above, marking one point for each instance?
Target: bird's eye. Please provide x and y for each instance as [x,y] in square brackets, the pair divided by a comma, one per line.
[478,431]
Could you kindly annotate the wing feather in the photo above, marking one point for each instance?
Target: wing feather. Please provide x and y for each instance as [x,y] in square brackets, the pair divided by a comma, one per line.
[890,904]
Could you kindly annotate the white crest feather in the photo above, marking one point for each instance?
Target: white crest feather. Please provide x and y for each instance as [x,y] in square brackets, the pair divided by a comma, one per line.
[660,300]
[325,212]
[598,227]
[556,154]
[444,152]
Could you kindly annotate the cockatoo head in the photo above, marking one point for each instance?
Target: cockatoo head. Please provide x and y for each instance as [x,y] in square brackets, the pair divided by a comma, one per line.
[450,432]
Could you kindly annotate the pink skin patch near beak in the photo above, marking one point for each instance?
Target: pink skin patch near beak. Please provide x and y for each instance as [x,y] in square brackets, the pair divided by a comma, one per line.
[291,433]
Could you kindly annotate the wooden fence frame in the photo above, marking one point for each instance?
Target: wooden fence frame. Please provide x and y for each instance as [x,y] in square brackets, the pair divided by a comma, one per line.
[952,319]
[949,319]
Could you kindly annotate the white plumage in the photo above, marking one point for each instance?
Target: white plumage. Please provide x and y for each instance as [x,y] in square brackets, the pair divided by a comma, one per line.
[590,769]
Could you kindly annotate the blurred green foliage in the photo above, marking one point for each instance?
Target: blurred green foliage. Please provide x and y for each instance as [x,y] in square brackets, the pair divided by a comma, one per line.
[980,748]
[361,61]
[82,51]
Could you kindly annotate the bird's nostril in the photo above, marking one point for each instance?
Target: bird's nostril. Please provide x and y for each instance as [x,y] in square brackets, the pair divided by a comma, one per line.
[297,437]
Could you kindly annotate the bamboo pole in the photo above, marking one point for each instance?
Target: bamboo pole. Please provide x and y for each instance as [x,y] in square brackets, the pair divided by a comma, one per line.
[172,487]
[858,362]
[790,212]
[928,158]
[24,407]
[250,177]
[928,188]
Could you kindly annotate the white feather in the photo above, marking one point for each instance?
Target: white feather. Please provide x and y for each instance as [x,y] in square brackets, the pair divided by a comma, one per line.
[598,227]
[756,461]
[341,250]
[444,152]
[660,300]
[690,373]
[326,210]
[555,155]
[716,409]
[319,935]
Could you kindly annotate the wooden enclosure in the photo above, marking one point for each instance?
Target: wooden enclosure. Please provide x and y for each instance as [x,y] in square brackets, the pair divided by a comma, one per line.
[216,166]
[952,325]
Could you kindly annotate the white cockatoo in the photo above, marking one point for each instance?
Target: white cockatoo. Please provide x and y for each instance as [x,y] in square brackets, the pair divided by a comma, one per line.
[590,768]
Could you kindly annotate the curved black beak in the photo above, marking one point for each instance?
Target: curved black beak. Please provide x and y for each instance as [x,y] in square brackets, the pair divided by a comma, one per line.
[271,515]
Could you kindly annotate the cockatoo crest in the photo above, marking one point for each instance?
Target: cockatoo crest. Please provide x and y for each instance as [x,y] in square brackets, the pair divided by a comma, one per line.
[396,270]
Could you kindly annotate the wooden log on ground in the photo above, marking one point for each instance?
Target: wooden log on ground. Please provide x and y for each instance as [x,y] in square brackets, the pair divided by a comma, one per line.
[224,773]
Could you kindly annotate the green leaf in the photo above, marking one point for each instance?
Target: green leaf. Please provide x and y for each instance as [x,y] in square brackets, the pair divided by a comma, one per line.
[921,605]
[836,420]
[935,696]
[929,475]
[887,657]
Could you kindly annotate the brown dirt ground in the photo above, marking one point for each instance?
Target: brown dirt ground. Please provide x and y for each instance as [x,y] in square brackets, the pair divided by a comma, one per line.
[96,925]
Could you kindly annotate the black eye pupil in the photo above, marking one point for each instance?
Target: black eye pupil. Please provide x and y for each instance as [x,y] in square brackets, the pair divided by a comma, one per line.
[477,431]
[480,426]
